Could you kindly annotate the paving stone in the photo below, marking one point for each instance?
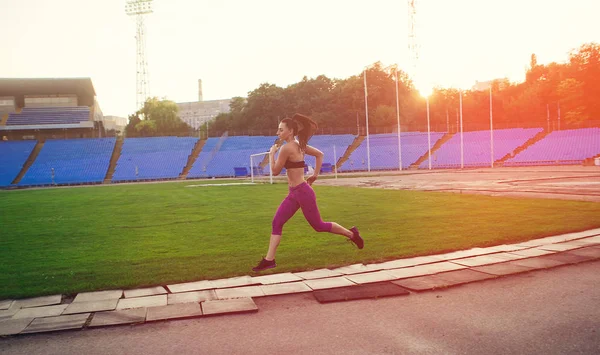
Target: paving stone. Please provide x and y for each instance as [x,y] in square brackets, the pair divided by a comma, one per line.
[141,292]
[13,326]
[568,257]
[352,269]
[502,269]
[537,263]
[559,247]
[5,304]
[234,282]
[422,283]
[504,248]
[580,242]
[331,282]
[286,288]
[479,260]
[39,312]
[590,240]
[38,301]
[187,297]
[532,252]
[92,306]
[427,269]
[370,277]
[400,263]
[561,238]
[507,256]
[191,286]
[235,305]
[385,289]
[239,292]
[317,274]
[174,311]
[464,276]
[593,252]
[127,316]
[139,302]
[462,254]
[11,311]
[276,278]
[49,324]
[98,296]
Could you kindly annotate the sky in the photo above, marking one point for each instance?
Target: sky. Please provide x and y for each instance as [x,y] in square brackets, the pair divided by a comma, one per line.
[235,45]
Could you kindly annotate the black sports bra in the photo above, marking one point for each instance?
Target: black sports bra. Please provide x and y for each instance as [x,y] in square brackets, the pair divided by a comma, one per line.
[294,164]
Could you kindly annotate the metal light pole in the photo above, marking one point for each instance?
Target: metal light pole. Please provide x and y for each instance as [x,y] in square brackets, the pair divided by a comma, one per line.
[398,118]
[428,132]
[491,132]
[140,8]
[367,123]
[462,159]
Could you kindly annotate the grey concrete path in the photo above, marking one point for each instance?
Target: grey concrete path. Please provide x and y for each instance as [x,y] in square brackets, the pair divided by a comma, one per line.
[553,311]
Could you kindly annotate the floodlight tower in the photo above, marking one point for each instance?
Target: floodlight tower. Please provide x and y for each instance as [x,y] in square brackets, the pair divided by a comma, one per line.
[139,9]
[413,47]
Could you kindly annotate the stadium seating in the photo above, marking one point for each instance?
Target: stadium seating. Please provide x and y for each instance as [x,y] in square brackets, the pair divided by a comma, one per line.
[49,115]
[325,143]
[384,151]
[235,152]
[198,169]
[13,156]
[476,147]
[153,158]
[560,147]
[73,161]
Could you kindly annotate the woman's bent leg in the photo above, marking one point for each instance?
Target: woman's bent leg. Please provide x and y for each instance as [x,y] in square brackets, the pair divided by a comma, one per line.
[308,203]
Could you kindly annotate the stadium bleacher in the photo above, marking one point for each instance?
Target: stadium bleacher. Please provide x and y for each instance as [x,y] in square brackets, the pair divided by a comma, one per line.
[153,158]
[384,151]
[560,147]
[73,161]
[13,156]
[325,143]
[87,160]
[235,152]
[49,115]
[476,147]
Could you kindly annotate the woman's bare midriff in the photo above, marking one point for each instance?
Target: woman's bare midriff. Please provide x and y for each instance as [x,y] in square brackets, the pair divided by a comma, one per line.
[295,176]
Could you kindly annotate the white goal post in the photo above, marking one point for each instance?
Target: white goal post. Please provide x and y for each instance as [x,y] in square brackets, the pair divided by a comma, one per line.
[255,161]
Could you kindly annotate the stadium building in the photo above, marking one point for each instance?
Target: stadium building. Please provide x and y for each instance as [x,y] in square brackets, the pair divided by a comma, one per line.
[199,112]
[48,108]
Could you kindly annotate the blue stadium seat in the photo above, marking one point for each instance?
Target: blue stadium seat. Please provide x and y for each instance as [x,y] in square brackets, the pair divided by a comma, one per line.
[73,161]
[477,148]
[13,155]
[560,147]
[49,115]
[153,158]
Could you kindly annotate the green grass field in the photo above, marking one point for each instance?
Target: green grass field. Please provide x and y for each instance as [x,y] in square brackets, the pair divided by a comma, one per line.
[65,241]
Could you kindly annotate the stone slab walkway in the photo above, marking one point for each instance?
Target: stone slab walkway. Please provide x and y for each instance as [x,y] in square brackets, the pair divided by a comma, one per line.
[235,295]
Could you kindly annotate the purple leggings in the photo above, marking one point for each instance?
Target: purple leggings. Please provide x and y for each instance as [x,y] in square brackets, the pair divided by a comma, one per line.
[301,196]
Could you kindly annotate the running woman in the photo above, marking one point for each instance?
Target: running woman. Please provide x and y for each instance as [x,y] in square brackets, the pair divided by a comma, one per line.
[301,195]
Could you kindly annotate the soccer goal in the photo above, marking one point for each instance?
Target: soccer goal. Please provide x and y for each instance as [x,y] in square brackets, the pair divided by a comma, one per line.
[260,168]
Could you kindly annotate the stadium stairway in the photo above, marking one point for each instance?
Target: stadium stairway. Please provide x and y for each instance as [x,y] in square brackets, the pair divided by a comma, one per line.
[113,160]
[4,119]
[436,146]
[34,154]
[527,144]
[351,148]
[192,158]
